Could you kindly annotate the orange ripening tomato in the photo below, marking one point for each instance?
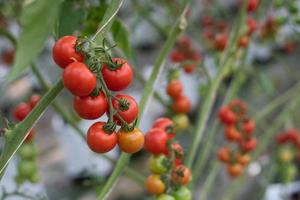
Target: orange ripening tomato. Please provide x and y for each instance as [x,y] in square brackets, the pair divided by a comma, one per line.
[235,170]
[155,185]
[131,142]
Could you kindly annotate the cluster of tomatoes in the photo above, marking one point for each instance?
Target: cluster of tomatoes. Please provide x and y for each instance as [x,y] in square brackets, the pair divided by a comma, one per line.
[289,152]
[168,175]
[92,76]
[239,129]
[185,54]
[27,165]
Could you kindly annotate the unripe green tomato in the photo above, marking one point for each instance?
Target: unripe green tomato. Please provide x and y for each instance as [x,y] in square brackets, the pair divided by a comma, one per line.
[183,193]
[281,21]
[181,122]
[27,168]
[290,172]
[278,3]
[285,156]
[34,178]
[19,180]
[27,151]
[157,164]
[293,8]
[165,197]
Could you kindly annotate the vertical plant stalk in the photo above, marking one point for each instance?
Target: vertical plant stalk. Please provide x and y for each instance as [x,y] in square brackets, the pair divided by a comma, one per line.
[205,111]
[148,91]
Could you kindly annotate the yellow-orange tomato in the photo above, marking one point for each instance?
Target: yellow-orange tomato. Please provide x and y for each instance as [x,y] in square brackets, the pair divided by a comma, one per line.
[181,175]
[131,142]
[232,134]
[155,185]
[243,159]
[224,154]
[235,170]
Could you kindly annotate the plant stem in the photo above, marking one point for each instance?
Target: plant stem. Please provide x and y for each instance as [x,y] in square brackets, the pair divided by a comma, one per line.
[158,66]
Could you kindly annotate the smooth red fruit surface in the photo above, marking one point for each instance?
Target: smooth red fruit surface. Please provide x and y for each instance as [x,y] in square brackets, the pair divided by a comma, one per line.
[155,185]
[181,175]
[243,41]
[249,126]
[78,79]
[224,154]
[21,111]
[177,56]
[252,5]
[252,25]
[182,104]
[292,135]
[120,78]
[232,134]
[221,40]
[34,99]
[227,116]
[235,170]
[156,141]
[131,142]
[174,89]
[128,115]
[165,124]
[99,140]
[64,52]
[282,138]
[243,159]
[248,145]
[189,68]
[90,107]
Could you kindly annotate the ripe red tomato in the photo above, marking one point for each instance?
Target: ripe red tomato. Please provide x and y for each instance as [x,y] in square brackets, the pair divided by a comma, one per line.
[220,42]
[243,41]
[174,89]
[227,116]
[155,185]
[128,115]
[156,141]
[21,111]
[252,25]
[249,126]
[64,51]
[78,79]
[182,105]
[131,142]
[238,106]
[282,138]
[235,170]
[165,124]
[184,43]
[120,78]
[34,99]
[99,140]
[181,175]
[252,5]
[207,21]
[292,135]
[232,134]
[90,107]
[224,154]
[189,68]
[248,145]
[177,56]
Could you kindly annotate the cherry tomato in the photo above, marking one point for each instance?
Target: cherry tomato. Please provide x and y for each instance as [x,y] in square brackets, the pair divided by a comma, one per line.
[184,43]
[27,151]
[227,116]
[207,21]
[27,167]
[120,78]
[248,145]
[78,79]
[182,105]
[181,122]
[64,51]
[224,154]
[183,193]
[292,135]
[232,134]
[34,178]
[252,25]
[156,141]
[220,42]
[165,124]
[99,140]
[243,159]
[181,175]
[238,106]
[285,155]
[243,41]
[155,185]
[177,56]
[189,68]
[252,5]
[21,111]
[174,89]
[90,107]
[128,115]
[249,126]
[165,197]
[158,164]
[34,99]
[282,138]
[234,170]
[131,142]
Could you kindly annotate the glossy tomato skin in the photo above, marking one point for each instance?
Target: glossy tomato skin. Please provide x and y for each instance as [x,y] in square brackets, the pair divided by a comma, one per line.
[64,52]
[243,159]
[120,78]
[165,197]
[183,193]
[157,164]
[177,56]
[220,42]
[21,111]
[155,185]
[34,99]
[182,105]
[235,170]
[165,124]
[128,115]
[99,140]
[90,107]
[227,116]
[156,141]
[174,89]
[249,145]
[249,126]
[224,154]
[181,175]
[232,134]
[131,142]
[252,5]
[78,79]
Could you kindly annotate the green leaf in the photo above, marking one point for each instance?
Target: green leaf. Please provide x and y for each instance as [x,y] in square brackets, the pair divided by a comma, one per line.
[120,36]
[70,18]
[37,19]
